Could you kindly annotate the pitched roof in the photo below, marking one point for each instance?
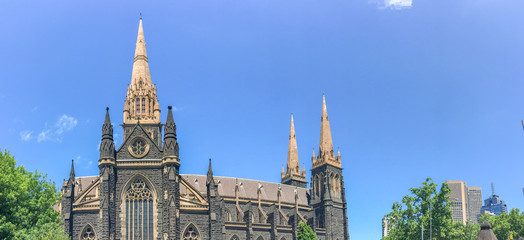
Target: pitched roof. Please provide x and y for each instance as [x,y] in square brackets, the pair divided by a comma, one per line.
[248,188]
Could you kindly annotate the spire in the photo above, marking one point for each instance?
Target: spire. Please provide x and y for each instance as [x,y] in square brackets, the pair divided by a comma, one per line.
[293,166]
[141,101]
[72,173]
[326,142]
[170,127]
[170,141]
[293,175]
[107,128]
[326,154]
[140,63]
[209,174]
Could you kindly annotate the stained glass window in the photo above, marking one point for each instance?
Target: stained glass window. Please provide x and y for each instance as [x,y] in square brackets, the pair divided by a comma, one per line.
[139,211]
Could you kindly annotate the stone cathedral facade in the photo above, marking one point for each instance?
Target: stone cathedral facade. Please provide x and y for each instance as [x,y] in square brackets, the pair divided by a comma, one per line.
[141,194]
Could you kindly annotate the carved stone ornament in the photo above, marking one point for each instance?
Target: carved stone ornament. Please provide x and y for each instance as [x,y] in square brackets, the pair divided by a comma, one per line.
[138,147]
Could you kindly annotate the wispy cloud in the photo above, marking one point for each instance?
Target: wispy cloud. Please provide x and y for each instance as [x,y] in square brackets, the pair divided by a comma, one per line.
[43,136]
[393,4]
[26,135]
[64,124]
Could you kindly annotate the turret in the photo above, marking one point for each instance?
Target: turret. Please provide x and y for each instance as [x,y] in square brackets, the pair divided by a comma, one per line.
[170,154]
[107,145]
[216,221]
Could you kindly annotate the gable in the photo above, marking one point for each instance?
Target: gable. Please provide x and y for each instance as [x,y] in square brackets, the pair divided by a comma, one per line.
[139,145]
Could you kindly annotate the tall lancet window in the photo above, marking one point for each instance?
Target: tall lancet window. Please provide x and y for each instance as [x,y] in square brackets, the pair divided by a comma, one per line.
[143,105]
[139,211]
[137,102]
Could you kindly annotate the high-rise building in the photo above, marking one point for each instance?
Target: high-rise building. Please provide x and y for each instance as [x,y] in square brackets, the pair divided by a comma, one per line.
[494,203]
[387,225]
[465,201]
[140,192]
[458,198]
[474,203]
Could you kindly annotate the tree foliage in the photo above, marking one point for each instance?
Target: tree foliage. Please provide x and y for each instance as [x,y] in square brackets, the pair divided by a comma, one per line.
[427,211]
[26,203]
[506,224]
[305,232]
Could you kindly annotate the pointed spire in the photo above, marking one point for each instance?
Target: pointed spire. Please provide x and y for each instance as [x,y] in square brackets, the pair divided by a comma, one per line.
[326,154]
[72,173]
[326,142]
[170,141]
[107,128]
[293,175]
[293,166]
[170,127]
[303,169]
[141,101]
[209,174]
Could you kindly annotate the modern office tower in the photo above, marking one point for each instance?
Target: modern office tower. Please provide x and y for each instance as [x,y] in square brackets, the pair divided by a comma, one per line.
[494,203]
[474,203]
[466,201]
[458,198]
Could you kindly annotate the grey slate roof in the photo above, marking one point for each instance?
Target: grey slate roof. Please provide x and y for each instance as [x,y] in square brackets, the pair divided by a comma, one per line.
[248,188]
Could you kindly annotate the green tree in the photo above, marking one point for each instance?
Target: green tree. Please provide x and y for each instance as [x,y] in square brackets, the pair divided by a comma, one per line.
[506,224]
[422,211]
[26,203]
[305,232]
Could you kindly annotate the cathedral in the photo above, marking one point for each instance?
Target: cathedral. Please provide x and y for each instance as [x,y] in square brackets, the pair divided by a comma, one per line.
[140,193]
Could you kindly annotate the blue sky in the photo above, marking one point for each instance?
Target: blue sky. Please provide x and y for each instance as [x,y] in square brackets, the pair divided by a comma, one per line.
[414,89]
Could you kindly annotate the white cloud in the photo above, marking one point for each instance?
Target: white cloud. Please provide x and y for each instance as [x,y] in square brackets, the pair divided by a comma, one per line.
[398,4]
[65,123]
[43,136]
[26,135]
[392,4]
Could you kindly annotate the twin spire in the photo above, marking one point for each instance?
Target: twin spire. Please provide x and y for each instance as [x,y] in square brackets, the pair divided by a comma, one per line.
[292,175]
[326,154]
[141,100]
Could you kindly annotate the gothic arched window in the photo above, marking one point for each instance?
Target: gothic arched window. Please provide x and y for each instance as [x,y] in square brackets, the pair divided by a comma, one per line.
[191,233]
[88,233]
[229,217]
[143,105]
[234,237]
[139,210]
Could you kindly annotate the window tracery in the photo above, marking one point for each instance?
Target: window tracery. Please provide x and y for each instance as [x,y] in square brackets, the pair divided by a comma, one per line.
[88,233]
[191,233]
[139,211]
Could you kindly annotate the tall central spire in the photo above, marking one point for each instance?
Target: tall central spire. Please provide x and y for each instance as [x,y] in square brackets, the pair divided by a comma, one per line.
[141,101]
